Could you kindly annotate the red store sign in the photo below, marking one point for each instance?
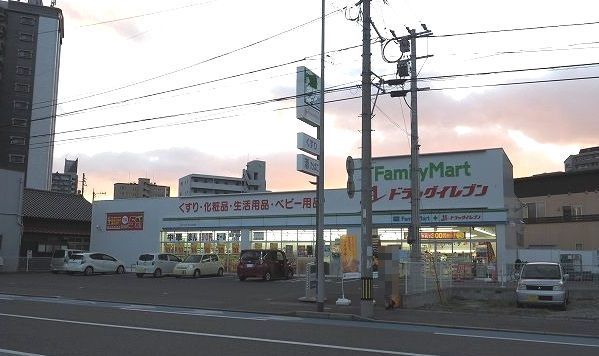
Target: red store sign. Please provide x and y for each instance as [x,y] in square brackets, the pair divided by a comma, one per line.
[124,221]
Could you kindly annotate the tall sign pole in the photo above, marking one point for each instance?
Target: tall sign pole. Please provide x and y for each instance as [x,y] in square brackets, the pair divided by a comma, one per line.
[310,109]
[320,184]
[366,307]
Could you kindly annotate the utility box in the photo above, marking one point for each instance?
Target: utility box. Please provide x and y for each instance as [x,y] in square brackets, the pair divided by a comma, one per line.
[389,275]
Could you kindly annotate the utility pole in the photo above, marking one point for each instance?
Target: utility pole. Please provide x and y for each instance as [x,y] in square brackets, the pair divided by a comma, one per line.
[408,44]
[320,185]
[414,152]
[366,307]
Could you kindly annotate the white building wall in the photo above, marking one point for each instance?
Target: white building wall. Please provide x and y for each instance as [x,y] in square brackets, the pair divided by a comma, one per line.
[43,114]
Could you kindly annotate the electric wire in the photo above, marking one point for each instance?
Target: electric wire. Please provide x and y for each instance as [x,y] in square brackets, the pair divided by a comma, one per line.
[516,29]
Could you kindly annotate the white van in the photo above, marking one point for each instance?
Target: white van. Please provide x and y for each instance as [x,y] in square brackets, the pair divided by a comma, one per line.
[60,258]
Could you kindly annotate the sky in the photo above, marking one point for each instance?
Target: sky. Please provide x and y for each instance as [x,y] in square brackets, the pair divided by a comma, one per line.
[180,86]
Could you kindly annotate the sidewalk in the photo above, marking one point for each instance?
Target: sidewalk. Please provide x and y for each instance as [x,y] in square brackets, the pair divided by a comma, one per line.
[468,314]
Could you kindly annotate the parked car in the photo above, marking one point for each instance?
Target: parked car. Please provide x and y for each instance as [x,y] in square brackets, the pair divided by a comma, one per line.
[60,258]
[89,263]
[156,264]
[199,265]
[265,264]
[542,283]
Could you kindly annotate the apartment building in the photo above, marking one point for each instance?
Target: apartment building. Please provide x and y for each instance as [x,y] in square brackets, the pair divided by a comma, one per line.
[30,43]
[253,179]
[66,182]
[561,210]
[142,189]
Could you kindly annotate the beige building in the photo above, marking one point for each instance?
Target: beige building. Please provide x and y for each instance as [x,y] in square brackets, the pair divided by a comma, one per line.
[142,189]
[560,210]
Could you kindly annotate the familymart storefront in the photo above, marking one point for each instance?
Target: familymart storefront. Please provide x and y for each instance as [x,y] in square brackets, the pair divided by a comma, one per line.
[466,203]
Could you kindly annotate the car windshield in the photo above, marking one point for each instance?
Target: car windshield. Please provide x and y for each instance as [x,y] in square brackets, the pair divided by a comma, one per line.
[250,256]
[76,257]
[538,271]
[193,259]
[146,257]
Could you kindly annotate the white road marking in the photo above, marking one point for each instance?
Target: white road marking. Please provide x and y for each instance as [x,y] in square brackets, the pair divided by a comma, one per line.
[220,336]
[11,352]
[197,313]
[520,339]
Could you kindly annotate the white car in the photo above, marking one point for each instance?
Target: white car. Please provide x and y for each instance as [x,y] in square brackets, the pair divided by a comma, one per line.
[156,264]
[199,265]
[94,262]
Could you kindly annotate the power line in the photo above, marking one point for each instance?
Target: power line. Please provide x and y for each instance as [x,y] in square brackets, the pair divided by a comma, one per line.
[224,54]
[516,83]
[40,145]
[169,116]
[516,29]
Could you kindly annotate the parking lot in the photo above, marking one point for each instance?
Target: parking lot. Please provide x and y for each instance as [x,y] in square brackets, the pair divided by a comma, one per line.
[278,296]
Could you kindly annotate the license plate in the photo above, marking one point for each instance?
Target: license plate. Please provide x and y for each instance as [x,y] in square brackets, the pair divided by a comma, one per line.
[250,265]
[533,298]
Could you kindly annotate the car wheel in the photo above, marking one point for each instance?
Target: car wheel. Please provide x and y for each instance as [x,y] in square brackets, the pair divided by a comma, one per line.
[89,270]
[120,270]
[290,274]
[267,276]
[139,275]
[55,272]
[242,278]
[196,273]
[157,273]
[519,305]
[220,272]
[564,306]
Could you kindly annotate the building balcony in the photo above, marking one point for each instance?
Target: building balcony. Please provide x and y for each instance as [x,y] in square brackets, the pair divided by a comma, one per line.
[562,219]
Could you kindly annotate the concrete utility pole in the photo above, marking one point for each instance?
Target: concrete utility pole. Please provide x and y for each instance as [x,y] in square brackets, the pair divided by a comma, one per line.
[414,151]
[320,185]
[366,307]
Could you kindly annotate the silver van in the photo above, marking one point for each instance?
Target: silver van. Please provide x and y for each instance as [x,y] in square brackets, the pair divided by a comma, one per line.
[542,283]
[60,258]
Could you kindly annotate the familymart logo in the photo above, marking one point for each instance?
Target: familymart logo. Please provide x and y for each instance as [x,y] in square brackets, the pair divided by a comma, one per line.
[433,170]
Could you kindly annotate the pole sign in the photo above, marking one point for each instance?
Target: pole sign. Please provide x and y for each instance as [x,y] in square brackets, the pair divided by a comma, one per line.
[307,100]
[308,144]
[308,165]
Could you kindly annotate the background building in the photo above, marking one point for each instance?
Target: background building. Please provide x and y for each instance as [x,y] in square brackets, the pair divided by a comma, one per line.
[561,210]
[30,42]
[66,182]
[10,218]
[142,189]
[253,179]
[54,220]
[586,159]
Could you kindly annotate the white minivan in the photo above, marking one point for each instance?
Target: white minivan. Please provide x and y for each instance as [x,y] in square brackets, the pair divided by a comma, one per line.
[156,264]
[60,258]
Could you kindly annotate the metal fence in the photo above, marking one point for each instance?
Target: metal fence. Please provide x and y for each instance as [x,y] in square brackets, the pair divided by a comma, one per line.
[24,264]
[425,277]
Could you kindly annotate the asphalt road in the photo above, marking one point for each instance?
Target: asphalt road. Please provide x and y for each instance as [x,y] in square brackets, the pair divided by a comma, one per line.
[276,298]
[61,326]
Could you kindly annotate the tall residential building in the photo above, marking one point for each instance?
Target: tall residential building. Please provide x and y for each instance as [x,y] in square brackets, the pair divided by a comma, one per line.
[30,41]
[66,182]
[253,179]
[142,189]
[586,159]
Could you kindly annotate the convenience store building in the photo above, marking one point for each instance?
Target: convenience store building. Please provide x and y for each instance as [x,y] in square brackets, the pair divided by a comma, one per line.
[468,212]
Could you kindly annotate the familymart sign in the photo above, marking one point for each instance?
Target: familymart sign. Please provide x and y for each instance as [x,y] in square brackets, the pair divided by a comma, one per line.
[439,169]
[448,180]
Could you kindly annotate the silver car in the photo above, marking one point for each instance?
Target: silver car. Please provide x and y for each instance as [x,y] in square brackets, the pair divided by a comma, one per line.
[156,264]
[542,283]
